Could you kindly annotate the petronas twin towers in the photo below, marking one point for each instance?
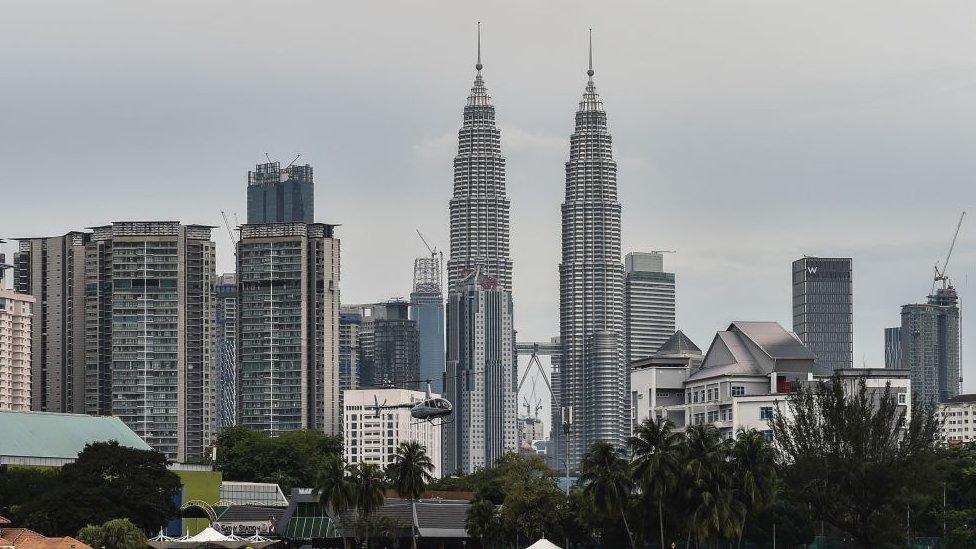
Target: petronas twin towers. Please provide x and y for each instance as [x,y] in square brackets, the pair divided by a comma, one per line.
[590,377]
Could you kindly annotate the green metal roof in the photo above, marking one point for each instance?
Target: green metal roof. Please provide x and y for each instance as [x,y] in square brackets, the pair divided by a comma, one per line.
[49,435]
[308,528]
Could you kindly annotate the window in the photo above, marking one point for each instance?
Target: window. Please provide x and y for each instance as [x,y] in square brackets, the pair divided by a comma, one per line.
[738,390]
[903,398]
[767,435]
[766,412]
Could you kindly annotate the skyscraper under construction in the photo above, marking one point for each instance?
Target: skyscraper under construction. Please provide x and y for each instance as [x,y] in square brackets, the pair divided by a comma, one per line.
[592,376]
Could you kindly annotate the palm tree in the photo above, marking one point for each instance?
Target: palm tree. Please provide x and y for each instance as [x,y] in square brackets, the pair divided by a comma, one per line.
[410,474]
[656,456]
[335,488]
[370,486]
[714,510]
[606,475]
[754,463]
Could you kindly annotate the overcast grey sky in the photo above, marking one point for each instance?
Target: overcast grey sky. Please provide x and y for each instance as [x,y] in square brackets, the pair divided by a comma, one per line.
[747,133]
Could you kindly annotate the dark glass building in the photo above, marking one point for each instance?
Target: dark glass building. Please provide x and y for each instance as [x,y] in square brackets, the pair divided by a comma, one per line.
[427,310]
[823,314]
[226,350]
[930,345]
[389,347]
[279,195]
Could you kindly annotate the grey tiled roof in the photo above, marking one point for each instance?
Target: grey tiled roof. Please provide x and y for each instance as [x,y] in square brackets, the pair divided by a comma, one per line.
[774,340]
[678,343]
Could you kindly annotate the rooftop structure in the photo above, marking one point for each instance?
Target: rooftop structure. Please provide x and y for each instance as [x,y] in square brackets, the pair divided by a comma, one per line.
[53,439]
[280,195]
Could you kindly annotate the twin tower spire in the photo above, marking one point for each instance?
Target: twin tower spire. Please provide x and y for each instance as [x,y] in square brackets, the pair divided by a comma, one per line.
[479,66]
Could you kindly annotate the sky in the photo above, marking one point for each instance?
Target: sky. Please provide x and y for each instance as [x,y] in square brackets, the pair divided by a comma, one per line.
[747,134]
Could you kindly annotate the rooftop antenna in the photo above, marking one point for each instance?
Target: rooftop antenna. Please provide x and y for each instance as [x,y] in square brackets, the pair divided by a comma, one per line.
[478,65]
[590,71]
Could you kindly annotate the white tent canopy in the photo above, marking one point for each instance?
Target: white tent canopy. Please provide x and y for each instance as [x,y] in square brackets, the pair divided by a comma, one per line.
[208,537]
[543,544]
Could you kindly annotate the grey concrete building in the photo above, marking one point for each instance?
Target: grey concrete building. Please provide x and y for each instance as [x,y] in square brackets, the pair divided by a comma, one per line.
[930,345]
[288,327]
[593,375]
[280,195]
[481,375]
[892,347]
[150,332]
[350,322]
[389,347]
[225,349]
[52,270]
[823,309]
[649,304]
[427,310]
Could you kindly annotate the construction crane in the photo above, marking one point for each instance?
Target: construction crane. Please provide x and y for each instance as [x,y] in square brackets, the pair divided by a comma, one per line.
[940,274]
[433,251]
[230,232]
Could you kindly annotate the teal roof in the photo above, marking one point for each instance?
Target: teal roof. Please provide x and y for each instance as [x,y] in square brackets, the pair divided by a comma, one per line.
[49,435]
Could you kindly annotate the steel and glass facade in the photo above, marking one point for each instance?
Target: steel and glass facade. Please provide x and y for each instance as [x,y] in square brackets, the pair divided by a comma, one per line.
[288,327]
[427,311]
[225,350]
[649,304]
[481,375]
[930,345]
[892,346]
[823,314]
[592,375]
[280,195]
[389,349]
[480,205]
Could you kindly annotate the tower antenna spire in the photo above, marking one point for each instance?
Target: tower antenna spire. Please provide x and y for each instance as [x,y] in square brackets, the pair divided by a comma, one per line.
[478,66]
[590,71]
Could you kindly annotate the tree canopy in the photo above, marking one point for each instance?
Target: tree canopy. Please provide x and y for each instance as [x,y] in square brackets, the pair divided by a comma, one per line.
[290,459]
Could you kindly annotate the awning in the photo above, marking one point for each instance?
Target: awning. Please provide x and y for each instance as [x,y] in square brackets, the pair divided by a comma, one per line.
[308,528]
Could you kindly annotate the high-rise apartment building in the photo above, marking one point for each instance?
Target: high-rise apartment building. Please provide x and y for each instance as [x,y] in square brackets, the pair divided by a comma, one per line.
[892,347]
[280,195]
[389,347]
[15,350]
[480,206]
[481,379]
[52,270]
[592,375]
[371,437]
[823,313]
[350,322]
[427,310]
[150,332]
[648,304]
[288,327]
[225,349]
[930,345]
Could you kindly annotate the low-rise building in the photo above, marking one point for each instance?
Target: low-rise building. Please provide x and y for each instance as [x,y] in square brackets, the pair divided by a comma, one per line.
[749,370]
[958,416]
[53,439]
[658,380]
[372,436]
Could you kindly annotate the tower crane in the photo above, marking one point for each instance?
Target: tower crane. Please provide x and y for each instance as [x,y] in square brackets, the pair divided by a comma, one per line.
[230,231]
[433,251]
[940,274]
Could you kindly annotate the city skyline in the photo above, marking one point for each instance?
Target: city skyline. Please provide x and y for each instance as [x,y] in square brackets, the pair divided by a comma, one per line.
[727,275]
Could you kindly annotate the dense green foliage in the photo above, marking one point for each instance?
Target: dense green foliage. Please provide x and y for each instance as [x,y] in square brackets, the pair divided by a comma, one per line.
[106,482]
[290,459]
[845,464]
[114,534]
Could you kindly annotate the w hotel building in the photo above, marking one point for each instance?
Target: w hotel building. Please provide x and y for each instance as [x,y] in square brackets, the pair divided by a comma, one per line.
[823,314]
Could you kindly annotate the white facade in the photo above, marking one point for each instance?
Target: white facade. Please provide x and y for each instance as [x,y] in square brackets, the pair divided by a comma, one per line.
[958,420]
[371,438]
[15,351]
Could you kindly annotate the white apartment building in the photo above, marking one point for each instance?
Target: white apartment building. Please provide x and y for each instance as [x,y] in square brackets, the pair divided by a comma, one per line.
[368,437]
[15,351]
[749,370]
[958,416]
